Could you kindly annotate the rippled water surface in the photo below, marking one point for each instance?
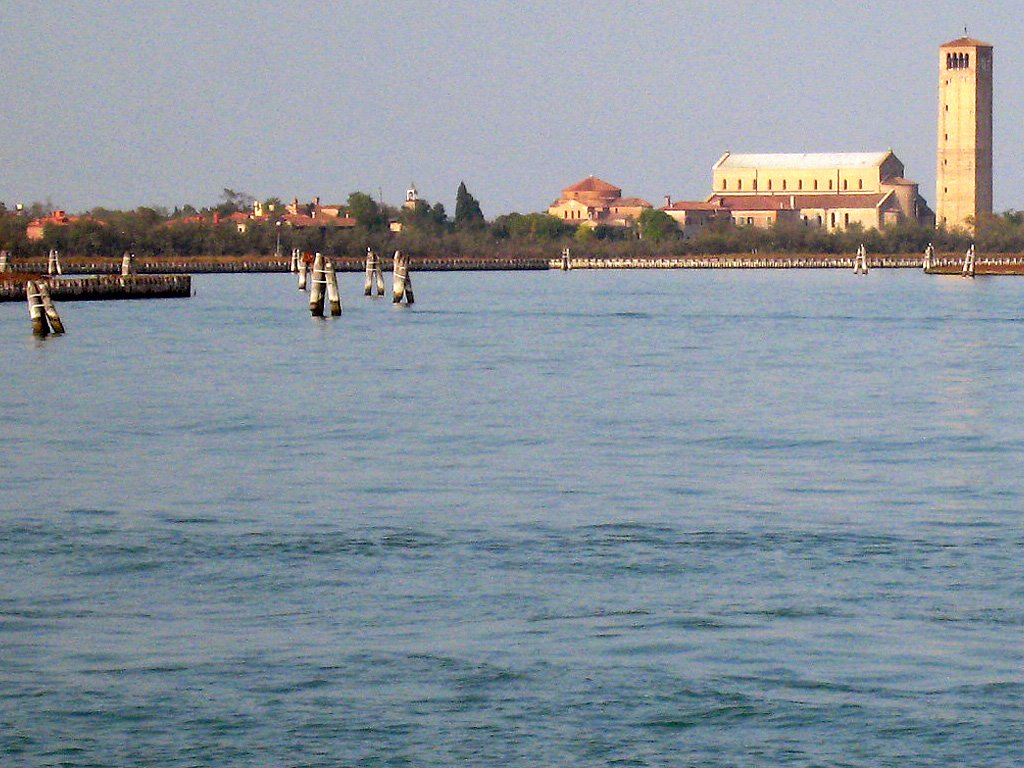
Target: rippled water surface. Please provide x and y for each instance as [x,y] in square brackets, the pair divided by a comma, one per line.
[647,518]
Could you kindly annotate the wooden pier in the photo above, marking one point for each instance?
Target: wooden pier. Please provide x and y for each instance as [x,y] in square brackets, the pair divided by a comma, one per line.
[102,287]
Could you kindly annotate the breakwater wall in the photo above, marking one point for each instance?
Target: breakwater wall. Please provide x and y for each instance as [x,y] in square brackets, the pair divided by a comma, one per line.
[209,264]
[160,265]
[983,265]
[740,262]
[105,287]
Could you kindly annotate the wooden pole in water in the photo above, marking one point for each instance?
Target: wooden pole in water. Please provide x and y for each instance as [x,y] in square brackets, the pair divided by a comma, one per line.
[378,270]
[368,282]
[126,263]
[409,298]
[929,254]
[5,264]
[295,260]
[566,263]
[860,262]
[49,308]
[53,263]
[402,285]
[316,289]
[333,295]
[40,327]
[303,269]
[968,268]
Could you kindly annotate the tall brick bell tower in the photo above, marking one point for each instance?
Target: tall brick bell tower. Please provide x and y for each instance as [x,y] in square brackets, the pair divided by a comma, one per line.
[964,176]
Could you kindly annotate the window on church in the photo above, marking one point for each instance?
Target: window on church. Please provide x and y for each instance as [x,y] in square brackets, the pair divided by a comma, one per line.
[769,185]
[844,185]
[830,185]
[725,184]
[846,219]
[860,183]
[783,184]
[816,187]
[739,184]
[800,184]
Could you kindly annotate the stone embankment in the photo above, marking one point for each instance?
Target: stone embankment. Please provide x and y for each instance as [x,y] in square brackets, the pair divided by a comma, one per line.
[101,287]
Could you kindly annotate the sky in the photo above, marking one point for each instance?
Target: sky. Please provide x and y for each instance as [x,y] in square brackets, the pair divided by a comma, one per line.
[125,104]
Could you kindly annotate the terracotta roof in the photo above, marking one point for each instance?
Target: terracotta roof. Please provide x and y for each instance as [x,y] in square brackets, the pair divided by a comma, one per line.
[965,42]
[899,181]
[630,202]
[797,202]
[692,205]
[592,184]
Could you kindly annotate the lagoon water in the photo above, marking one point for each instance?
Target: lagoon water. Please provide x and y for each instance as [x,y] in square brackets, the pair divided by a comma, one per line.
[643,518]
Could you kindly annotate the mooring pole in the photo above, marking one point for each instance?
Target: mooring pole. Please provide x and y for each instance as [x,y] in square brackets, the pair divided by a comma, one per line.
[929,254]
[333,295]
[53,263]
[303,269]
[316,288]
[40,327]
[49,308]
[968,268]
[5,264]
[368,282]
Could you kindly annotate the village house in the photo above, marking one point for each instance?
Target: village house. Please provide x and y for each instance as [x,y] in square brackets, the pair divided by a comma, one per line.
[593,201]
[37,227]
[693,216]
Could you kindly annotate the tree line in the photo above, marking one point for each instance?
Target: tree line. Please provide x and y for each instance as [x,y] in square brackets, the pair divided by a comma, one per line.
[425,229]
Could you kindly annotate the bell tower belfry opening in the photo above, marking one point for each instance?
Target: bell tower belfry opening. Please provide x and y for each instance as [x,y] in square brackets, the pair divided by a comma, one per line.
[964,173]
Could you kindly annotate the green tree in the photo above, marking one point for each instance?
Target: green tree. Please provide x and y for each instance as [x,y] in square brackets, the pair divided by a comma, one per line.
[365,211]
[467,210]
[656,225]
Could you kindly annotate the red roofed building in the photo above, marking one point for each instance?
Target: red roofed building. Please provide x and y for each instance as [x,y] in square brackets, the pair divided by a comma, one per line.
[593,201]
[693,216]
[36,228]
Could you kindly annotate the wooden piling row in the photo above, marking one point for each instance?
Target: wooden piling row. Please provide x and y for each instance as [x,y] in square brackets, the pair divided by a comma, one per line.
[105,287]
[5,262]
[303,268]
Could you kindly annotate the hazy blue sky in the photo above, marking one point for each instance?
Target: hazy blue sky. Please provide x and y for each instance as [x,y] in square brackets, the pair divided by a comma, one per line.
[125,104]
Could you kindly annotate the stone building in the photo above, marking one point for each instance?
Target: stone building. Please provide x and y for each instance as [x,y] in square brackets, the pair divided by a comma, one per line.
[963,189]
[827,190]
[593,201]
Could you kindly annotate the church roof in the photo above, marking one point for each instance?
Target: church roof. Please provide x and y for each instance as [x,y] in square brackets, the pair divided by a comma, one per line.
[593,184]
[797,202]
[808,160]
[966,42]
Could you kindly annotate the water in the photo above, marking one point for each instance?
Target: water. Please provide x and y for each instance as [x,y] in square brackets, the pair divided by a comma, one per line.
[599,518]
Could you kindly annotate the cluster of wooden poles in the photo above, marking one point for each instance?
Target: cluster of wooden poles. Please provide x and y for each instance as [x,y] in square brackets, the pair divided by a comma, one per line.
[41,309]
[318,275]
